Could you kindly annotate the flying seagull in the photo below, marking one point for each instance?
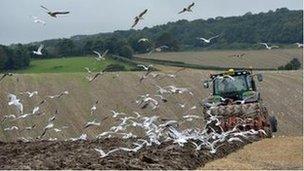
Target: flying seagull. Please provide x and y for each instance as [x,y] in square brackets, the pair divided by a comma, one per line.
[143,40]
[16,102]
[54,13]
[269,47]
[300,45]
[93,108]
[208,40]
[39,51]
[139,17]
[30,94]
[146,68]
[101,57]
[6,74]
[38,21]
[188,9]
[92,123]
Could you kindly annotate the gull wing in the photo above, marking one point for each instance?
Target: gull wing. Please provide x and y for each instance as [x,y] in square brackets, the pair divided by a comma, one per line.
[143,13]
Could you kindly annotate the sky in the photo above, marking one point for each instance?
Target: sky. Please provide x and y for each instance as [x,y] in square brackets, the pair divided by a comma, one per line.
[96,16]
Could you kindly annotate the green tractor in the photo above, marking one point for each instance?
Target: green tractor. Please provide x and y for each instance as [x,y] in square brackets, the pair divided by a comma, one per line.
[235,100]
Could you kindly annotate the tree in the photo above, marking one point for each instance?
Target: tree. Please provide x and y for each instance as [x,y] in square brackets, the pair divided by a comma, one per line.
[126,51]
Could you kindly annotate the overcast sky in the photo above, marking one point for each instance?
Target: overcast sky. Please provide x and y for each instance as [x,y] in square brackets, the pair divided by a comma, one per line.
[95,16]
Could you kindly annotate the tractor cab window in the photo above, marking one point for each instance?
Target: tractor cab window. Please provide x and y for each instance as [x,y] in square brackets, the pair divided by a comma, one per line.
[224,85]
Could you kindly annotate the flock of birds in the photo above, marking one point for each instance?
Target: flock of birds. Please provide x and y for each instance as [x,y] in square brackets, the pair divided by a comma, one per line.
[137,19]
[152,130]
[155,130]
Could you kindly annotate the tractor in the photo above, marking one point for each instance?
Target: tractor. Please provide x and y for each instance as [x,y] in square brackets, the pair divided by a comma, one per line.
[237,103]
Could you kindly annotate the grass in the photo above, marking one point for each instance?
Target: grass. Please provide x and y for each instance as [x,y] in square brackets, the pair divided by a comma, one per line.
[70,65]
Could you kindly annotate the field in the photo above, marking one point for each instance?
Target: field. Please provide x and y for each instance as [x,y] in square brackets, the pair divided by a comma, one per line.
[281,91]
[69,65]
[260,59]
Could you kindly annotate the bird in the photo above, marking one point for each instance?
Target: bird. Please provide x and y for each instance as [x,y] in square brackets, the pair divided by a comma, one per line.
[5,75]
[38,21]
[115,114]
[300,45]
[208,40]
[139,17]
[57,130]
[181,105]
[46,128]
[191,117]
[101,57]
[188,9]
[93,108]
[92,123]
[54,13]
[39,51]
[30,94]
[28,128]
[232,139]
[162,98]
[146,100]
[269,47]
[16,102]
[143,40]
[88,70]
[103,154]
[11,128]
[8,117]
[144,76]
[145,68]
[59,95]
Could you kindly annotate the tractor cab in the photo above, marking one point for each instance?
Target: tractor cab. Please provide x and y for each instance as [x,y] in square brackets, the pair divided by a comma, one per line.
[234,85]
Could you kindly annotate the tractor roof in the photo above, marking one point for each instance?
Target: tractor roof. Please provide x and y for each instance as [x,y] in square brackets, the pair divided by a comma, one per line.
[231,72]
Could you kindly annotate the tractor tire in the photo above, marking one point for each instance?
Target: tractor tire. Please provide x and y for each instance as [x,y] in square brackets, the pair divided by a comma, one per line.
[273,123]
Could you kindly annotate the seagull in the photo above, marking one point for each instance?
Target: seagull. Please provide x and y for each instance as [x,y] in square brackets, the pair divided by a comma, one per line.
[146,68]
[5,75]
[39,51]
[93,109]
[176,90]
[146,100]
[54,13]
[23,116]
[161,90]
[16,102]
[38,21]
[181,105]
[191,117]
[8,117]
[300,45]
[164,100]
[143,40]
[59,95]
[88,70]
[11,128]
[115,114]
[230,140]
[101,57]
[46,128]
[139,17]
[30,94]
[28,128]
[188,9]
[103,154]
[83,137]
[208,40]
[92,123]
[57,130]
[269,47]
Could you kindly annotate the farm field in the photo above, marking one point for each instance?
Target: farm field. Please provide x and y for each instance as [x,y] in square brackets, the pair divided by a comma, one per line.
[281,91]
[69,65]
[260,59]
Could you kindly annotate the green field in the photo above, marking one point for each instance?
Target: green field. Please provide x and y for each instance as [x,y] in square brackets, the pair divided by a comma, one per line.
[70,65]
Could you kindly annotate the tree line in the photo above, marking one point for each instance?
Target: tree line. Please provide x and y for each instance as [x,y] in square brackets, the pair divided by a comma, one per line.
[280,27]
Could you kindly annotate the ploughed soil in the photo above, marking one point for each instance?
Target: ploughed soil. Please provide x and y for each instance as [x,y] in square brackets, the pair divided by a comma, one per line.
[81,155]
